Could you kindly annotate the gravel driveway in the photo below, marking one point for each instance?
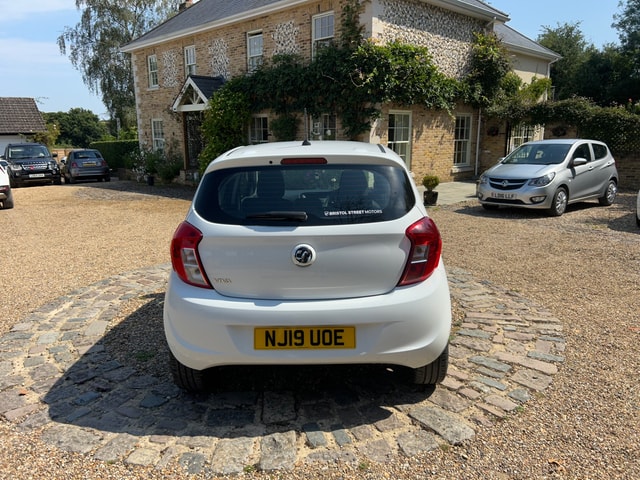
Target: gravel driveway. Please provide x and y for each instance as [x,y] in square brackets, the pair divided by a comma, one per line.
[584,267]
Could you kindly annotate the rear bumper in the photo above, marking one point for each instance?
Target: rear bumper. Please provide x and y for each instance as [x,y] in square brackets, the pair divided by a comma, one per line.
[89,173]
[409,326]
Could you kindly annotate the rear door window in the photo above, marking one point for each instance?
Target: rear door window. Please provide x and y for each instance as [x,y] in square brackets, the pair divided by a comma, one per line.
[304,195]
[599,151]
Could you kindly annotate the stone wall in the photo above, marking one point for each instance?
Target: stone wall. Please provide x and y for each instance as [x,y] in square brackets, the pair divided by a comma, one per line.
[447,35]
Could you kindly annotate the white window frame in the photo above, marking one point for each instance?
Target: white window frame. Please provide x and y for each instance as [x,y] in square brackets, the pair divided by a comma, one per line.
[322,31]
[152,70]
[157,134]
[255,50]
[520,134]
[463,128]
[324,127]
[399,135]
[190,60]
[259,129]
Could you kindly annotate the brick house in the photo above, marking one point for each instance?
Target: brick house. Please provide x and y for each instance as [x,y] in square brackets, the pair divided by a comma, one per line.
[178,65]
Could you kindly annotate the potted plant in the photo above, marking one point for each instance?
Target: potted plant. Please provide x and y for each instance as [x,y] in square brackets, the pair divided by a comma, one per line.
[429,182]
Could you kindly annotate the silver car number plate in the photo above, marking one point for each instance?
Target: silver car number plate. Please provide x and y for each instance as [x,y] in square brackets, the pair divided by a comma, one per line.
[36,175]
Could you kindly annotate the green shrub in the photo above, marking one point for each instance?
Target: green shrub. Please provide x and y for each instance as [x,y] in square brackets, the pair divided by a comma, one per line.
[165,163]
[116,152]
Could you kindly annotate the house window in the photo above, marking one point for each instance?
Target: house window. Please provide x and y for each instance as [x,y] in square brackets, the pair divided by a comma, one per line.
[254,51]
[152,67]
[190,60]
[157,135]
[520,134]
[399,135]
[462,141]
[324,127]
[322,31]
[258,131]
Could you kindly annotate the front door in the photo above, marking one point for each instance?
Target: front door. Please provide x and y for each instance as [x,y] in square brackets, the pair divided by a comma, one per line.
[193,124]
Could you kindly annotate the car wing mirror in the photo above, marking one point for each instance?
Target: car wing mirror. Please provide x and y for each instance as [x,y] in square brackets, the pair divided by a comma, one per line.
[579,161]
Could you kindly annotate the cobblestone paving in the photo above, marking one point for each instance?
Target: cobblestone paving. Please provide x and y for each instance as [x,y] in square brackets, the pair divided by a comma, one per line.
[59,381]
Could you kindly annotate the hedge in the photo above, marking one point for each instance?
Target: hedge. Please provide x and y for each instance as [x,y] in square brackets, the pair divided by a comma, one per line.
[117,152]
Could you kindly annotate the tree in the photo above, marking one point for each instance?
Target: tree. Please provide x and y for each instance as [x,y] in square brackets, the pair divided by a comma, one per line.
[93,46]
[628,25]
[568,41]
[606,77]
[77,127]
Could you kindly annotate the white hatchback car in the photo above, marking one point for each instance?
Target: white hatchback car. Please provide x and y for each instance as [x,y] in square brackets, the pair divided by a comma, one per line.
[638,209]
[6,195]
[305,254]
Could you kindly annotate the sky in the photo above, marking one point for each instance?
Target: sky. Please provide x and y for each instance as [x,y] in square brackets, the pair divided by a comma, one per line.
[32,65]
[595,17]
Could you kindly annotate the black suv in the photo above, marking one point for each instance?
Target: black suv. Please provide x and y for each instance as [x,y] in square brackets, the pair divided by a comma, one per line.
[31,163]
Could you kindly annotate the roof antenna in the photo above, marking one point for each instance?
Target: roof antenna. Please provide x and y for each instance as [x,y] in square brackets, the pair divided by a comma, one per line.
[306,129]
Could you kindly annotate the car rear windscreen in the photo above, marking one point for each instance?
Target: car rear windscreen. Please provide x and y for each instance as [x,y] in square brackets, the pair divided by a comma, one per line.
[304,194]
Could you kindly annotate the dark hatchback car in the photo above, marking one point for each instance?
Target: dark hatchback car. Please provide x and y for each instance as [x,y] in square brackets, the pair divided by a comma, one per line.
[85,164]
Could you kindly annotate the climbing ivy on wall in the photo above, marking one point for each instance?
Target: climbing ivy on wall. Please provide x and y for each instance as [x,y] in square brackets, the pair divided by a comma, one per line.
[353,78]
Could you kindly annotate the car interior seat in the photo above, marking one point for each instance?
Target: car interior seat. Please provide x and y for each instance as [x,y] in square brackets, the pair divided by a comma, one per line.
[269,195]
[352,191]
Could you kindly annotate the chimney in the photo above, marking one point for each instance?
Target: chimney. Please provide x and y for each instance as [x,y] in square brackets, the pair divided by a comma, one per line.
[184,5]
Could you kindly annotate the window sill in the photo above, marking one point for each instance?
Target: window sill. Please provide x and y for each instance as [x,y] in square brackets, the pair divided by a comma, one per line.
[461,168]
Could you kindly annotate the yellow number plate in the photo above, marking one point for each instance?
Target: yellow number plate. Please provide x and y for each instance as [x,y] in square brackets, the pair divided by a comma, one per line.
[292,338]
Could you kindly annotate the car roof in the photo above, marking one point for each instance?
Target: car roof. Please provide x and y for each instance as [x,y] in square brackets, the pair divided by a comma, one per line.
[327,149]
[19,144]
[565,141]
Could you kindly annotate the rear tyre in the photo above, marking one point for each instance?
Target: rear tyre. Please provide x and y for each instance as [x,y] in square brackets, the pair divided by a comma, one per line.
[57,181]
[559,203]
[433,373]
[609,194]
[70,180]
[187,378]
[107,178]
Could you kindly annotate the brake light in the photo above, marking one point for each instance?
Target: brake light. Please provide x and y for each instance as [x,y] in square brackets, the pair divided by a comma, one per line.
[304,161]
[424,256]
[184,256]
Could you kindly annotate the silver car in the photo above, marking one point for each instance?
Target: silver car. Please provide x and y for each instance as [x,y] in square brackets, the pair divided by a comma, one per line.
[87,164]
[551,174]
